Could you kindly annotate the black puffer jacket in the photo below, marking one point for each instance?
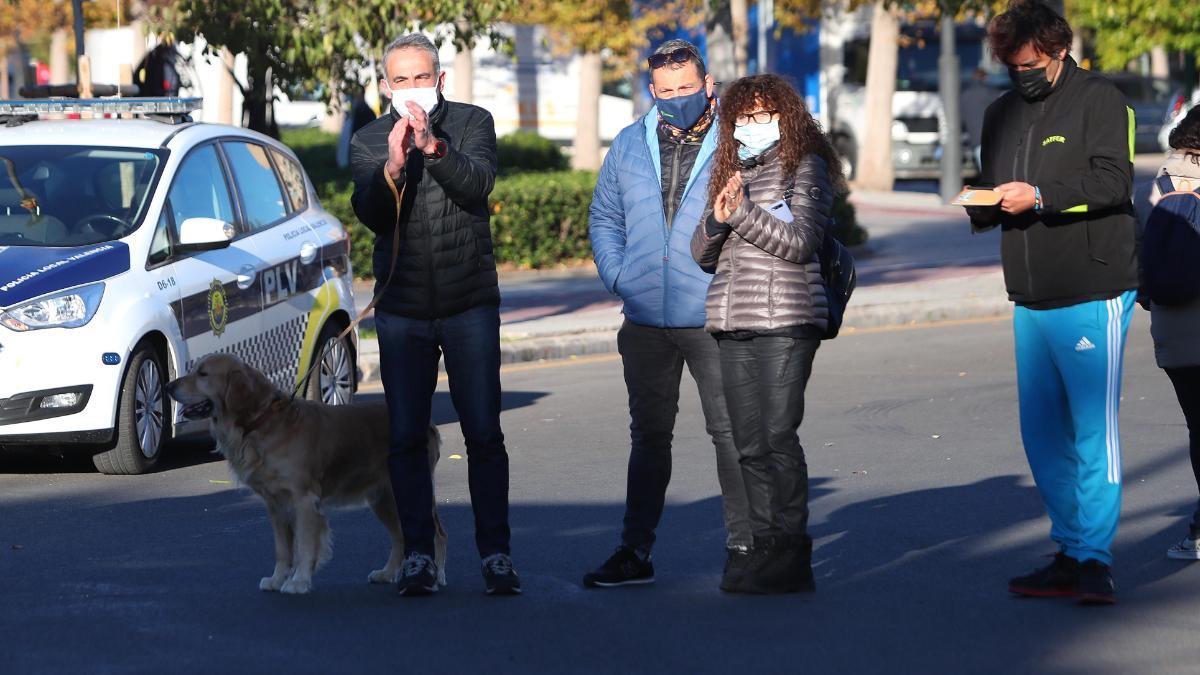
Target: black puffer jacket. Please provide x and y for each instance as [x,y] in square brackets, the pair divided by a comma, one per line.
[446,265]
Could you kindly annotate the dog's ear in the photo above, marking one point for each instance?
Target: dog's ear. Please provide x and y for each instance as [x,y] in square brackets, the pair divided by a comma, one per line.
[242,397]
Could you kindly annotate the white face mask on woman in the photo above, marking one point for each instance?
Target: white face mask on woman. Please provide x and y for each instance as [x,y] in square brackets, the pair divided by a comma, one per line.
[426,97]
[755,138]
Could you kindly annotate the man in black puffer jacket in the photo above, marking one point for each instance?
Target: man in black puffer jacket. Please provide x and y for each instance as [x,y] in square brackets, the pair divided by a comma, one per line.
[434,163]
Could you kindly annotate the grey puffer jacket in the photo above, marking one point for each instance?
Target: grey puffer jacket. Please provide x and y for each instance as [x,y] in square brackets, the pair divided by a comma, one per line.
[1175,329]
[767,273]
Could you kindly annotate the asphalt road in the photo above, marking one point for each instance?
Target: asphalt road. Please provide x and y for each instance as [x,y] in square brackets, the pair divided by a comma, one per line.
[922,508]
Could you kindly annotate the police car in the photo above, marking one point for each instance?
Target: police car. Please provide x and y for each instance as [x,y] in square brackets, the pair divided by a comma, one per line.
[130,248]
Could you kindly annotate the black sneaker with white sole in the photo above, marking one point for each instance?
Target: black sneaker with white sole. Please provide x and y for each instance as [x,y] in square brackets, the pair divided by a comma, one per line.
[1096,586]
[499,577]
[623,568]
[1059,579]
[418,576]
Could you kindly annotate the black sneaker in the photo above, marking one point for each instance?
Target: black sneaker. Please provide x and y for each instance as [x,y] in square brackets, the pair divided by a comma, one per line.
[623,568]
[1059,579]
[418,576]
[1096,585]
[736,559]
[499,577]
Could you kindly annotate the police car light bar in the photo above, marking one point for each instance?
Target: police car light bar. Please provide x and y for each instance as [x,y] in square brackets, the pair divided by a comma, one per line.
[137,106]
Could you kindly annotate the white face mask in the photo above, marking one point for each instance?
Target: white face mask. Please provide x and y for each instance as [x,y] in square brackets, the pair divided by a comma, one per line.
[426,97]
[756,138]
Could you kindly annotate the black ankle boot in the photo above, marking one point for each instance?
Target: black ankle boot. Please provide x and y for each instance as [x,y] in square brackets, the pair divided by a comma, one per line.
[779,564]
[736,560]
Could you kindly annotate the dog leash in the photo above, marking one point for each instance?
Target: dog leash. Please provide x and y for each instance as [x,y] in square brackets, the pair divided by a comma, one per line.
[398,194]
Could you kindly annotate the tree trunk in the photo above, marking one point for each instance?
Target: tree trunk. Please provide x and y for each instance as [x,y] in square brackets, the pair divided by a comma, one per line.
[464,75]
[719,38]
[60,57]
[587,126]
[1160,63]
[740,20]
[875,169]
[258,104]
[225,88]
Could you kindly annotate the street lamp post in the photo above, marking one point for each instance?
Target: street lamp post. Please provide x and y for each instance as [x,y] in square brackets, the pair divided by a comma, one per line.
[952,115]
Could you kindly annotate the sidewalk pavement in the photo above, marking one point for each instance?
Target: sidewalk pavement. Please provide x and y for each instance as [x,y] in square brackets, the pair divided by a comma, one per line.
[920,265]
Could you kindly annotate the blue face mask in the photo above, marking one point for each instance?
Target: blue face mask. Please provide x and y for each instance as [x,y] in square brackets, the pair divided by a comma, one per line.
[682,112]
[754,139]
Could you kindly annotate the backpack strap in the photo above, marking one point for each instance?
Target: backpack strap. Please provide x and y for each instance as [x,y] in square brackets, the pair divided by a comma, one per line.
[1164,184]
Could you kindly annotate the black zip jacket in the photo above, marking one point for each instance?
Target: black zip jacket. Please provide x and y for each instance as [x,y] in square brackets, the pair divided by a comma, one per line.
[1076,146]
[676,162]
[446,264]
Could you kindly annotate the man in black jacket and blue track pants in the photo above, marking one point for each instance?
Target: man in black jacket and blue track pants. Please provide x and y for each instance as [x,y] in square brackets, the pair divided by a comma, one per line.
[438,159]
[1058,148]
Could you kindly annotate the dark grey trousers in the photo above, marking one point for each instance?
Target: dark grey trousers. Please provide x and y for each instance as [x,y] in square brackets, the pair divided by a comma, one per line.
[653,359]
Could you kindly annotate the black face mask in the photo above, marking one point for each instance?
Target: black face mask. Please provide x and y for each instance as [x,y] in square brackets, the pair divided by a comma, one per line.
[1031,84]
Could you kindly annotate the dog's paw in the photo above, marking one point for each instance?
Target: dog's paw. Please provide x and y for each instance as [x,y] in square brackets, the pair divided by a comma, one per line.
[383,576]
[270,584]
[296,586]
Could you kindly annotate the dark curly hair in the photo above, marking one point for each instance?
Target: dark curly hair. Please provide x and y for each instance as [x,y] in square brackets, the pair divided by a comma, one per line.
[1186,135]
[1024,22]
[799,133]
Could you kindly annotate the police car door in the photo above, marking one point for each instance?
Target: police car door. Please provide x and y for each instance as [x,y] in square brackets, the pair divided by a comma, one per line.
[291,273]
[221,307]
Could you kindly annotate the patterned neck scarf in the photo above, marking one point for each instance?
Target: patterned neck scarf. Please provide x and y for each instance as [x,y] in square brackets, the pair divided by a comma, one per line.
[696,133]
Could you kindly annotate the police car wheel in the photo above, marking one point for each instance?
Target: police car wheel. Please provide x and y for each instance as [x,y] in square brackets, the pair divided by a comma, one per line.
[141,417]
[332,381]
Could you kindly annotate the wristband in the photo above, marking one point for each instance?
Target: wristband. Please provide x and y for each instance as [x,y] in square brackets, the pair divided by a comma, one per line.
[1037,199]
[439,150]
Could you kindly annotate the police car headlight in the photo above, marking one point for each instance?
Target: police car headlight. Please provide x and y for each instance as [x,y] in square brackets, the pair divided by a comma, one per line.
[70,309]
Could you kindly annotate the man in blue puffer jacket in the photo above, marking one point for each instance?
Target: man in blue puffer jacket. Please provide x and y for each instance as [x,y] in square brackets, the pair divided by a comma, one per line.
[649,198]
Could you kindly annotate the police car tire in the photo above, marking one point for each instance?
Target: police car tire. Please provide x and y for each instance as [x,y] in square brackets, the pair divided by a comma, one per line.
[126,457]
[329,333]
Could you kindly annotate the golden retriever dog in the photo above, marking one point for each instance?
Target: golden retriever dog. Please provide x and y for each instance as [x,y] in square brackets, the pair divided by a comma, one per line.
[301,456]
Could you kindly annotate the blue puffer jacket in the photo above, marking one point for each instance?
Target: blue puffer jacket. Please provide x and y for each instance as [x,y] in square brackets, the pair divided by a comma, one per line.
[638,258]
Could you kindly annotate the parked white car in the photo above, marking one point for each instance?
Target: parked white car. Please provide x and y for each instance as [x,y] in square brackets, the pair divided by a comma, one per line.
[130,248]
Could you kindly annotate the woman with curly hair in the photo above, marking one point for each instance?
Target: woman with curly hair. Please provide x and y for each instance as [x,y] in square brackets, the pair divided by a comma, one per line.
[770,197]
[1176,328]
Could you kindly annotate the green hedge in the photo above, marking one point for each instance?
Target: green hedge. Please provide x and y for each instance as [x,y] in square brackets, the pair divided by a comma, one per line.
[525,151]
[538,219]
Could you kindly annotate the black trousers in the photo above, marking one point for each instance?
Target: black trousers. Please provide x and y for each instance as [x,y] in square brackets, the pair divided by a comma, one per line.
[1187,390]
[765,378]
[409,350]
[653,360]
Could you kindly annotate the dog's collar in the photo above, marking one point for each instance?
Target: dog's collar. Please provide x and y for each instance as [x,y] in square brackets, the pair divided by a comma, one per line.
[272,408]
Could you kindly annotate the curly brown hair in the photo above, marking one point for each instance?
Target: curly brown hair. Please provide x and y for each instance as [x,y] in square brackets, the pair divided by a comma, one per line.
[1186,136]
[799,133]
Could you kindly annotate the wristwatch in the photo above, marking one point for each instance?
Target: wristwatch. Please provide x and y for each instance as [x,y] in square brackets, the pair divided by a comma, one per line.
[439,150]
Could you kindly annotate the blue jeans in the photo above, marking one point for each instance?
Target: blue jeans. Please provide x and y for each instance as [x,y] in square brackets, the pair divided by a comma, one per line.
[409,350]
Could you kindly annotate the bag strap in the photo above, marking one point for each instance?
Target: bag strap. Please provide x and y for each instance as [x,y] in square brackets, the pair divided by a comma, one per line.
[1165,184]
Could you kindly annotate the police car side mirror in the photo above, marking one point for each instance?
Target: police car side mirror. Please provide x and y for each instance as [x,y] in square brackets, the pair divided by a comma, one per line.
[204,234]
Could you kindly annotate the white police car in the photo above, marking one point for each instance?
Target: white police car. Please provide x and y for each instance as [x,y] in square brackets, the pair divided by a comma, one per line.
[130,248]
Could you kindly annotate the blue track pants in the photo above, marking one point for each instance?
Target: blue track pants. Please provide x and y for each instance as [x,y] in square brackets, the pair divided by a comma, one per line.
[1069,383]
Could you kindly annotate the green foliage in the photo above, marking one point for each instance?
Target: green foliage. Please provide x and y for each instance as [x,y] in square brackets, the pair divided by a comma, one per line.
[846,227]
[527,151]
[1126,29]
[542,219]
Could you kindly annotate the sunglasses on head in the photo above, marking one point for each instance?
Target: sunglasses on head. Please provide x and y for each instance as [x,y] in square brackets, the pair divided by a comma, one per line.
[681,55]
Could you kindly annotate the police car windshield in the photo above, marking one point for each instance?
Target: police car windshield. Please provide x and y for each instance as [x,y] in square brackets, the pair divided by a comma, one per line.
[60,195]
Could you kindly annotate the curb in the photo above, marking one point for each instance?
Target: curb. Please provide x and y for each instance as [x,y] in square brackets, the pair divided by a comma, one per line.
[867,315]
